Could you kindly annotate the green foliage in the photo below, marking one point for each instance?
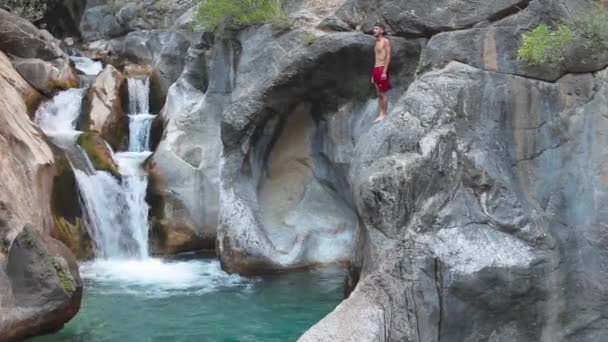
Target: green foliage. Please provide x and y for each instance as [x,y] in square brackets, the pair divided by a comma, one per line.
[31,10]
[309,38]
[242,13]
[545,45]
[66,280]
[594,30]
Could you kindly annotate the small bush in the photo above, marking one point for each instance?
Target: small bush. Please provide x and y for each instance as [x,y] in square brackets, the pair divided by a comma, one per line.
[309,38]
[545,45]
[31,10]
[242,13]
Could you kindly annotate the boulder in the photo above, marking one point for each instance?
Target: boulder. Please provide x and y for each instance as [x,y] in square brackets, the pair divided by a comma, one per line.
[30,96]
[99,154]
[45,77]
[104,108]
[39,284]
[101,22]
[69,226]
[20,38]
[47,289]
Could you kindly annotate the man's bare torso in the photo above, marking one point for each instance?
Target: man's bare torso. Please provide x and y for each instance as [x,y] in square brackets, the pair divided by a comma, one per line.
[381,51]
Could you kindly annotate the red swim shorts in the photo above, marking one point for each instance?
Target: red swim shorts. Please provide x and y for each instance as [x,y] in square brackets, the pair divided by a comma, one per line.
[383,85]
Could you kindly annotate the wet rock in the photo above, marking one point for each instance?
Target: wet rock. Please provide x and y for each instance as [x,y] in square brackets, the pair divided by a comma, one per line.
[98,152]
[47,289]
[45,77]
[103,108]
[20,38]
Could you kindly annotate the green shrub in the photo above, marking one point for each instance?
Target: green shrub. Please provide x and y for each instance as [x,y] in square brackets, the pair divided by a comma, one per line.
[242,13]
[545,45]
[31,10]
[309,38]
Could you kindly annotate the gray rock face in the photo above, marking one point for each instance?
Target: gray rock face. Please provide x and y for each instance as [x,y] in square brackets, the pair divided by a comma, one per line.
[494,47]
[103,21]
[18,37]
[427,17]
[46,286]
[184,172]
[46,77]
[469,213]
[287,136]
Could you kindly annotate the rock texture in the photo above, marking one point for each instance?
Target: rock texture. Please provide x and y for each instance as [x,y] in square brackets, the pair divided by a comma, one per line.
[39,59]
[479,196]
[162,50]
[284,197]
[184,172]
[116,18]
[39,284]
[103,108]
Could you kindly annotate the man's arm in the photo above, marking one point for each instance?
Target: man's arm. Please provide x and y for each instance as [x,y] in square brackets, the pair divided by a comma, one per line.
[387,59]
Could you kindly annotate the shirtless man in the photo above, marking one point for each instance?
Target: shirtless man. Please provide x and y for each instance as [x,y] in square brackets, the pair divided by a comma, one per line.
[381,77]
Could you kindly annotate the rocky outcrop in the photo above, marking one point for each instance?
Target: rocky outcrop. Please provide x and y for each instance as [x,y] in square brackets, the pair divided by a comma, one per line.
[96,149]
[287,136]
[494,47]
[478,197]
[162,50]
[104,108]
[116,18]
[45,77]
[38,57]
[30,96]
[183,171]
[39,284]
[47,289]
[18,37]
[69,225]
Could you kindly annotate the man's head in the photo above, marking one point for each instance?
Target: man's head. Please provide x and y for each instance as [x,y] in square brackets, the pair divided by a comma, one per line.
[379,30]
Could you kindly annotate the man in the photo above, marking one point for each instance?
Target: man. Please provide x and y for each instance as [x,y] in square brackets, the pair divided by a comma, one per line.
[380,76]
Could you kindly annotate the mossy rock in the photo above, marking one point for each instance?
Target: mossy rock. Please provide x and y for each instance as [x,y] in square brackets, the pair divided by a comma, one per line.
[74,236]
[98,152]
[65,279]
[64,197]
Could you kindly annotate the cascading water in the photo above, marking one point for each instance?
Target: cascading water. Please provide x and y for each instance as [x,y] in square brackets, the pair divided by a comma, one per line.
[163,299]
[140,119]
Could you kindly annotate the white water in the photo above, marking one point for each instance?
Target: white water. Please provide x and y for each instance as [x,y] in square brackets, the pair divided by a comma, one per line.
[59,114]
[116,211]
[140,119]
[139,94]
[87,65]
[139,131]
[156,278]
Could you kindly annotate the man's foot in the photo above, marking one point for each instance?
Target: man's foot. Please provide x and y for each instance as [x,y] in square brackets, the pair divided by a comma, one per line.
[380,118]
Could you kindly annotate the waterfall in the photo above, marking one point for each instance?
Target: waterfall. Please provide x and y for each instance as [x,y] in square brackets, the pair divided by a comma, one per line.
[86,65]
[59,115]
[139,95]
[115,209]
[140,119]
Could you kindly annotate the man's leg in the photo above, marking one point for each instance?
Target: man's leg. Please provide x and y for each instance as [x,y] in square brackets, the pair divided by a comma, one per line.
[382,104]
